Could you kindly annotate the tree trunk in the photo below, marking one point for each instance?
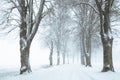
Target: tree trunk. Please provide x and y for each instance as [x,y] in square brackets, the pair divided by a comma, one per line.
[24,49]
[58,57]
[107,40]
[106,34]
[82,58]
[88,52]
[67,56]
[107,54]
[51,54]
[64,58]
[88,60]
[25,65]
[83,51]
[24,46]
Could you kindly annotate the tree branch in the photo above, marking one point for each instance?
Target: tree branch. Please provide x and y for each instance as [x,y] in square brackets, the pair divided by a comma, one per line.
[81,3]
[37,20]
[16,6]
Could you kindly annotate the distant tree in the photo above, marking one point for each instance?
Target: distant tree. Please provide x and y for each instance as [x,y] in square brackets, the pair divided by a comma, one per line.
[48,41]
[51,53]
[61,29]
[86,20]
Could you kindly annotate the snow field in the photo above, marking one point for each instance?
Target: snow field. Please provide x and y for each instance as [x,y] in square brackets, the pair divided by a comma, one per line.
[62,72]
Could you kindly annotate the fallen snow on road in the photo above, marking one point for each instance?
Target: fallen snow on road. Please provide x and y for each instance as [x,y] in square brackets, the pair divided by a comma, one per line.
[62,72]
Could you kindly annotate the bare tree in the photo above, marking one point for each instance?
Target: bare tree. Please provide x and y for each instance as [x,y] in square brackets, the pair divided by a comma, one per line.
[104,8]
[48,41]
[28,24]
[60,28]
[86,27]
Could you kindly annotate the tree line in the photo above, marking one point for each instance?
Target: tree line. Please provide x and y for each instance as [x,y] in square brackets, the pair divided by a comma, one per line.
[68,22]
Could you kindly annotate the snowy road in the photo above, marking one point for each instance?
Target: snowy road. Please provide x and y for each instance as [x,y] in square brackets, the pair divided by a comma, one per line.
[63,72]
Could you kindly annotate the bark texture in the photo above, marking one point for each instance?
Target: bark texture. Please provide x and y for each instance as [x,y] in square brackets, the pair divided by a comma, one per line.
[24,46]
[106,33]
[28,29]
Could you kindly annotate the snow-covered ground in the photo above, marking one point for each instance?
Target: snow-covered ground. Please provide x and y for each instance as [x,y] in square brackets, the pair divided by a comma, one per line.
[62,72]
[39,58]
